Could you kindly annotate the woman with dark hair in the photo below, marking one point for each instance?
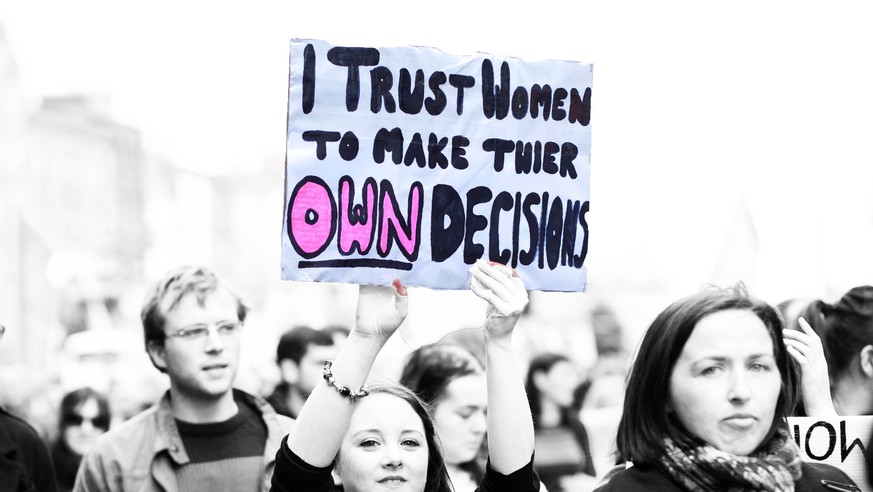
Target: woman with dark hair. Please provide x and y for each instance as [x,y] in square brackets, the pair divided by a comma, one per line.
[563,454]
[382,441]
[707,401]
[84,416]
[846,329]
[452,382]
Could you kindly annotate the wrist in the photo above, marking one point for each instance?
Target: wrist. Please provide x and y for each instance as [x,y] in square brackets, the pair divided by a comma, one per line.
[368,338]
[344,391]
[501,342]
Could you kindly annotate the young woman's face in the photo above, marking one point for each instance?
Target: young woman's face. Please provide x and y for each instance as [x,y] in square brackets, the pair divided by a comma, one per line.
[83,426]
[385,447]
[459,418]
[725,384]
[558,383]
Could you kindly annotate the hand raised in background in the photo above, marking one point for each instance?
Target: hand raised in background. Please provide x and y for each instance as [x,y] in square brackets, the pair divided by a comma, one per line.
[806,348]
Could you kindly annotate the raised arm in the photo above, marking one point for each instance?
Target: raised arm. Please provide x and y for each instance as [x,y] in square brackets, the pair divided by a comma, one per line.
[807,350]
[510,425]
[324,418]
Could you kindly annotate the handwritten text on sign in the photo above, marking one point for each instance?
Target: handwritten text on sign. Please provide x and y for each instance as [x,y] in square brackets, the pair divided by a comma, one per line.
[411,163]
[837,441]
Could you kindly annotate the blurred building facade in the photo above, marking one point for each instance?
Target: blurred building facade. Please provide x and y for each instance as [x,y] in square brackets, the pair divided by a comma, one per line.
[71,215]
[88,217]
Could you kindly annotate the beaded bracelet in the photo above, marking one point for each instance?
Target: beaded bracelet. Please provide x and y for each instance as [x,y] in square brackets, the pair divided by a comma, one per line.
[327,374]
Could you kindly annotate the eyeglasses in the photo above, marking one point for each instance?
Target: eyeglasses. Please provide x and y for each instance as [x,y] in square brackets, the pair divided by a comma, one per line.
[76,420]
[201,330]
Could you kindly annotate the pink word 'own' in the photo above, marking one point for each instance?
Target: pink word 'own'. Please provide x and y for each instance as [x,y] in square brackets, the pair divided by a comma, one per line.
[315,217]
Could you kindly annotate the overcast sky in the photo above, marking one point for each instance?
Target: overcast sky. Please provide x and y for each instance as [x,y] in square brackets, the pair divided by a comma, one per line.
[697,109]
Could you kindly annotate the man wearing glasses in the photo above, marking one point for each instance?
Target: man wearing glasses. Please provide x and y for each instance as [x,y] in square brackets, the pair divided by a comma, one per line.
[203,435]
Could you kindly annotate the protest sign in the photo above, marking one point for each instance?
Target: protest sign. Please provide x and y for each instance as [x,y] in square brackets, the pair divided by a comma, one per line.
[837,441]
[412,163]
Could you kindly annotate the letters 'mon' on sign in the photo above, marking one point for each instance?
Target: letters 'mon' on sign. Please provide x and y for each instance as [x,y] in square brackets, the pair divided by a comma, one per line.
[411,163]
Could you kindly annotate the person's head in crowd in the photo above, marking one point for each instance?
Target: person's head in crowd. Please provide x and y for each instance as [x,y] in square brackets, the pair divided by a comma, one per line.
[339,333]
[452,382]
[716,352]
[300,354]
[608,333]
[551,382]
[392,411]
[712,377]
[793,309]
[192,322]
[846,330]
[604,386]
[84,416]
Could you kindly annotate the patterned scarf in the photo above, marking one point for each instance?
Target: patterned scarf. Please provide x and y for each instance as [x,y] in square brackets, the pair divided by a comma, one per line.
[704,468]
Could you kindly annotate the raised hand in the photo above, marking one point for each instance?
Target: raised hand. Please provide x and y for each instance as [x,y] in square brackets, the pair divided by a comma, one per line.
[510,425]
[806,348]
[504,291]
[381,309]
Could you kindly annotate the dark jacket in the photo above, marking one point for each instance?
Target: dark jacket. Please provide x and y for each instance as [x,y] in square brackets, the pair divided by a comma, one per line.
[25,464]
[654,479]
[278,400]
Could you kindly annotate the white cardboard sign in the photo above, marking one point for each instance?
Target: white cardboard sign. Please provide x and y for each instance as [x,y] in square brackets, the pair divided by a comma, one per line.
[411,163]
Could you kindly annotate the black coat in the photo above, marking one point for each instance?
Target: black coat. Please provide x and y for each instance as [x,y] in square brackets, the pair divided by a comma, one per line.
[654,479]
[25,464]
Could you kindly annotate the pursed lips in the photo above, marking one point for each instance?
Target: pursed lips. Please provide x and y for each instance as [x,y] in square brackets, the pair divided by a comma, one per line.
[740,419]
[391,478]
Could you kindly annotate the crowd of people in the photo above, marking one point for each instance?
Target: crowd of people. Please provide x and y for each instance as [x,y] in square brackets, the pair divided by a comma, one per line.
[702,404]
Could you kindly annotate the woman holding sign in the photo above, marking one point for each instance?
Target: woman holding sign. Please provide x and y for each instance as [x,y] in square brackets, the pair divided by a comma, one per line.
[707,401]
[383,438]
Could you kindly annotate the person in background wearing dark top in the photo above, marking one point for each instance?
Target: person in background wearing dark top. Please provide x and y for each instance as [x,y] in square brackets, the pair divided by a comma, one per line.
[25,464]
[383,440]
[452,382]
[203,435]
[300,354]
[84,416]
[563,456]
[707,401]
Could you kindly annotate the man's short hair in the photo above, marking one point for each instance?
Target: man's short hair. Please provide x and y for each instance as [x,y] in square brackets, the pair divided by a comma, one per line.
[166,294]
[295,342]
